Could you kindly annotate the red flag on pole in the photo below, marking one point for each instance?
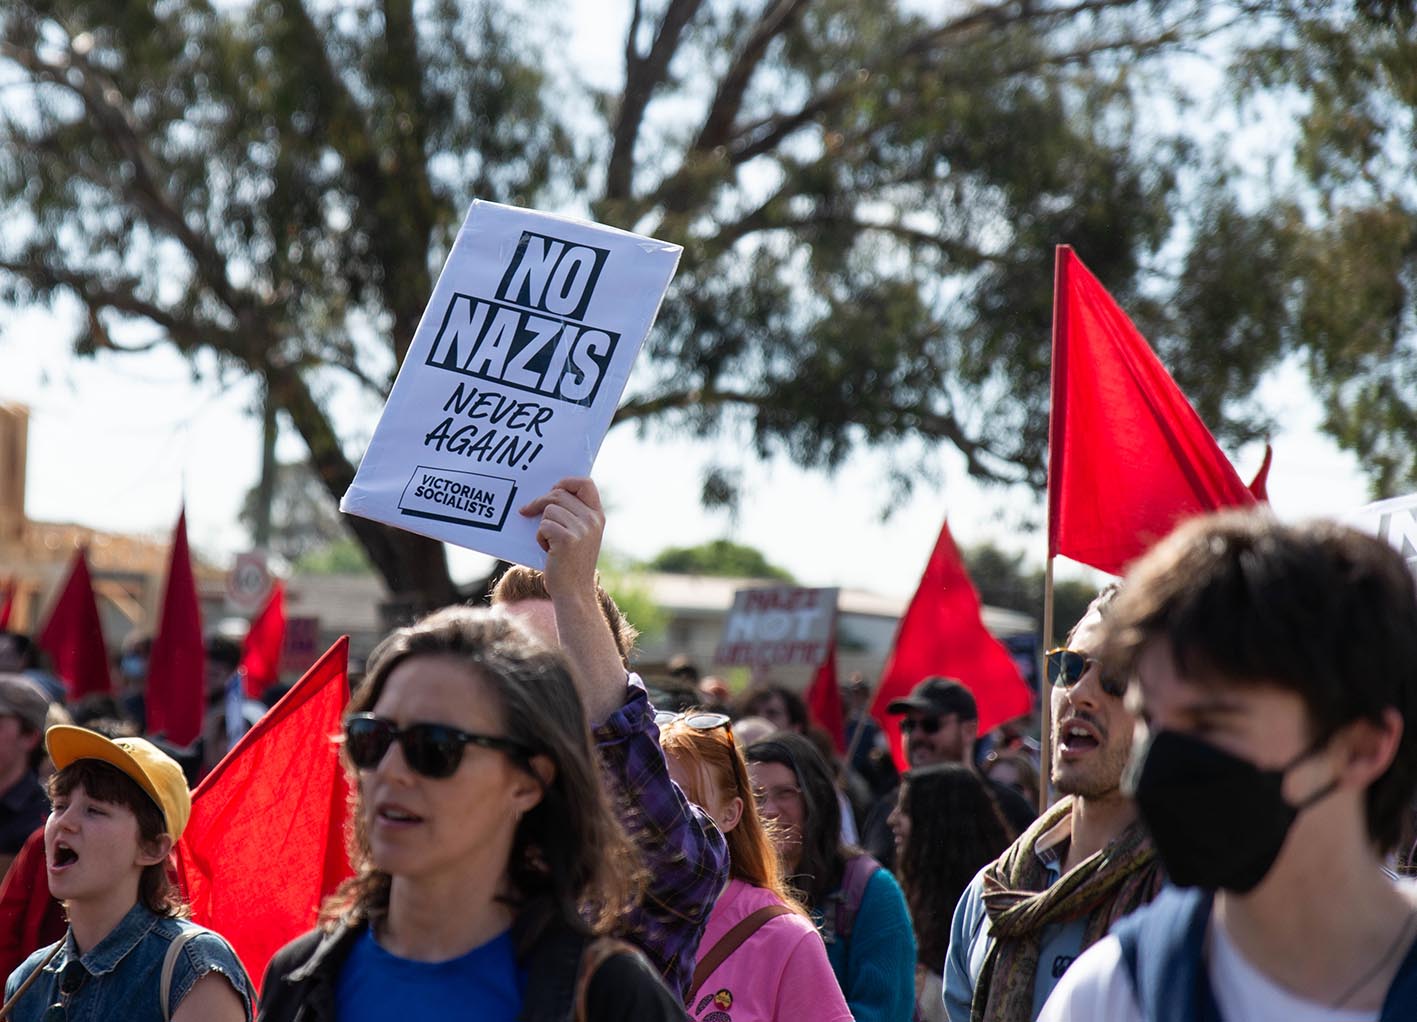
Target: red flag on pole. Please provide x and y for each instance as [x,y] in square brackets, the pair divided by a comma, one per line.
[178,662]
[7,603]
[1128,457]
[824,700]
[73,635]
[943,633]
[260,653]
[265,843]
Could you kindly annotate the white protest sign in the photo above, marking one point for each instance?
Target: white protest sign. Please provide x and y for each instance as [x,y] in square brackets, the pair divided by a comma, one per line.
[512,377]
[1394,520]
[777,626]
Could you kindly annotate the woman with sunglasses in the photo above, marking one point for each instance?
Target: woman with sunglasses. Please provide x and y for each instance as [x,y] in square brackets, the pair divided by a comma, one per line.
[117,809]
[856,904]
[761,959]
[488,863]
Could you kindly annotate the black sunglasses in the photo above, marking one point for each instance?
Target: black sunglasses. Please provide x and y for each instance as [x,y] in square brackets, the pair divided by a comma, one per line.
[1067,666]
[698,720]
[433,750]
[925,725]
[71,978]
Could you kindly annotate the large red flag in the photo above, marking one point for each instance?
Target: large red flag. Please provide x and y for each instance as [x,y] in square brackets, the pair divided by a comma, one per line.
[178,662]
[7,603]
[73,635]
[943,633]
[266,840]
[824,700]
[260,653]
[1128,457]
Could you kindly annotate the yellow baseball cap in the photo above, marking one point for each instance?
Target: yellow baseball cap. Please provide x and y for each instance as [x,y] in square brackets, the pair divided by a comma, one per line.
[155,771]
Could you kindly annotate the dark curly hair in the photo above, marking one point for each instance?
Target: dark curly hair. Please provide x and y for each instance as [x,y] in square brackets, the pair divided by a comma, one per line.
[956,829]
[571,863]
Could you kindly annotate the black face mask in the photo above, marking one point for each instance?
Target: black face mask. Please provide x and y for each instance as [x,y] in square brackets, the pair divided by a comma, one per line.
[1218,821]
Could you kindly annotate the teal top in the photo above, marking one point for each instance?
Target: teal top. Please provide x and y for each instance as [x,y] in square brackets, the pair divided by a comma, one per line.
[876,964]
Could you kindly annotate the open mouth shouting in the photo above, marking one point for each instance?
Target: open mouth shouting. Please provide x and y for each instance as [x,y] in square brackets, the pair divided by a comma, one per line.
[1078,736]
[62,858]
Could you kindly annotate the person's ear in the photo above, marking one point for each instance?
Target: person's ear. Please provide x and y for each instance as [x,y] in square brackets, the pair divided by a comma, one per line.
[971,730]
[731,815]
[532,783]
[150,853]
[1368,748]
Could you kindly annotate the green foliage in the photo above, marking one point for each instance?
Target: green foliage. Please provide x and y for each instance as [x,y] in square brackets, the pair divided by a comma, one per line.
[342,556]
[302,519]
[868,196]
[718,557]
[1004,580]
[633,597]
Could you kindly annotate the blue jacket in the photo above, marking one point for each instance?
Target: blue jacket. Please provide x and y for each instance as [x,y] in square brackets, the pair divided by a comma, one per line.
[1163,949]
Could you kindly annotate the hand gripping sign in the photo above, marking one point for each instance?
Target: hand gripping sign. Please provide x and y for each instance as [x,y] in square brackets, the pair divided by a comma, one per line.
[512,378]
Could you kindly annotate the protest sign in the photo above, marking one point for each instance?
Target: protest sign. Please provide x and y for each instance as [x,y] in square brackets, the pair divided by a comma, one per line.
[1394,520]
[778,626]
[512,377]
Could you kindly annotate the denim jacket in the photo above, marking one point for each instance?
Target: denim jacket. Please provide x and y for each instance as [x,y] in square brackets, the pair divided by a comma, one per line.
[124,971]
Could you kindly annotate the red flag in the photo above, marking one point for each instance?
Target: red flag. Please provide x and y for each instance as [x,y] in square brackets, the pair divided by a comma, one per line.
[178,663]
[1128,457]
[943,633]
[260,653]
[7,603]
[265,843]
[824,700]
[73,635]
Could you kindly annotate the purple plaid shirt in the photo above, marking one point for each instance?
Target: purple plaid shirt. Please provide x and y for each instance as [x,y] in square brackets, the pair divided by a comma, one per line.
[684,855]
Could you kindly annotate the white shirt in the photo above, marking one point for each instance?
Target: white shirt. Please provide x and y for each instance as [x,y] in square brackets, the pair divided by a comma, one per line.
[1097,987]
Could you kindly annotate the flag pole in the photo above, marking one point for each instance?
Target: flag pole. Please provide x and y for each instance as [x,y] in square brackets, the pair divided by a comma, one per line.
[1045,696]
[1055,457]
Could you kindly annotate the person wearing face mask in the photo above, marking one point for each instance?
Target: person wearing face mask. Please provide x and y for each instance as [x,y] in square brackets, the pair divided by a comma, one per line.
[1077,869]
[1276,669]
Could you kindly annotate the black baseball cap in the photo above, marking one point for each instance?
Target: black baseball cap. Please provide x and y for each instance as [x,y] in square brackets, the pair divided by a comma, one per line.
[939,697]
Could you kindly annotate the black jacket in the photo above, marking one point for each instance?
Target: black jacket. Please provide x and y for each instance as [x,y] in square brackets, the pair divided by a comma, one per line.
[302,977]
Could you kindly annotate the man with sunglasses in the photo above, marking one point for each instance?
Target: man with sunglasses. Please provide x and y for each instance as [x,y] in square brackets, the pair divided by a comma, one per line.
[940,725]
[1275,666]
[1078,868]
[685,856]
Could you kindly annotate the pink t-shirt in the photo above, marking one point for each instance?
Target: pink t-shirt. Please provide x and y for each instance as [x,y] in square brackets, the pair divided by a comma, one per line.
[779,974]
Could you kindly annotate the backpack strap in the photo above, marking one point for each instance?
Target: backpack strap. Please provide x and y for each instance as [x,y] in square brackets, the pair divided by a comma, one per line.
[858,873]
[169,964]
[731,942]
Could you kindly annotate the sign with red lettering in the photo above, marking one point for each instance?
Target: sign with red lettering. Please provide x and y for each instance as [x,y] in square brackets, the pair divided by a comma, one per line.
[512,377]
[302,645]
[777,626]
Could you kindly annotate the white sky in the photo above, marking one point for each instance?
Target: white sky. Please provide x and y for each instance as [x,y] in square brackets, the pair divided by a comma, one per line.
[112,441]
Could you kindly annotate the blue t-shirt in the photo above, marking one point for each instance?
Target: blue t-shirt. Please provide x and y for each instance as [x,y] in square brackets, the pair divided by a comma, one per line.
[485,983]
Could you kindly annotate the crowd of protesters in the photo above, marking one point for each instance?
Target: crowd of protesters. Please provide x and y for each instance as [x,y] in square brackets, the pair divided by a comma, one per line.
[541,835]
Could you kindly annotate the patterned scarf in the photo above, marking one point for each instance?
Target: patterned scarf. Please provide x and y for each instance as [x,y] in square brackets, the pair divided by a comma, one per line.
[1103,887]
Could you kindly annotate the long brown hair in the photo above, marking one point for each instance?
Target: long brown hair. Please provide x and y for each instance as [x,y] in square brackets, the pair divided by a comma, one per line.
[712,755]
[570,864]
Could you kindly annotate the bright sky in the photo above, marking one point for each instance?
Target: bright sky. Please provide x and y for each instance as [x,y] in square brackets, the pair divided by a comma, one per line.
[114,440]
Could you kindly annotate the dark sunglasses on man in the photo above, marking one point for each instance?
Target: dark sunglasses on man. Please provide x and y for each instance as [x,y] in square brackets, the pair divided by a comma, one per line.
[925,725]
[433,750]
[1067,666]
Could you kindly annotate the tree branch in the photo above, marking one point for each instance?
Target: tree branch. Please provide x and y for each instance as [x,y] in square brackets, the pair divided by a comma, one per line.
[728,100]
[642,76]
[980,460]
